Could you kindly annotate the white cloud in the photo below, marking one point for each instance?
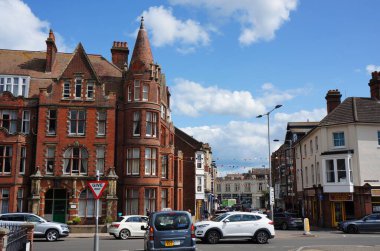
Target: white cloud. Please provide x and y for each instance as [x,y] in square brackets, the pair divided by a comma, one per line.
[21,29]
[371,68]
[166,29]
[193,99]
[302,116]
[259,19]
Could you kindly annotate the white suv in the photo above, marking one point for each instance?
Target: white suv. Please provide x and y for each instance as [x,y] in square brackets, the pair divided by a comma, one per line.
[236,225]
[128,226]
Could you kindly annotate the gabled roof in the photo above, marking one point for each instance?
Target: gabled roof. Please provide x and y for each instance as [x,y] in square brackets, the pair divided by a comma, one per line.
[354,110]
[195,144]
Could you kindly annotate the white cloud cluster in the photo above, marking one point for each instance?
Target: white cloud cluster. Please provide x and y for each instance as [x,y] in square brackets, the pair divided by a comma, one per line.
[21,29]
[371,68]
[193,99]
[302,116]
[259,19]
[166,29]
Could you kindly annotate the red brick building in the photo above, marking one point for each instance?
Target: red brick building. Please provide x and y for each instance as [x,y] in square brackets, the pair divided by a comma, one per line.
[65,116]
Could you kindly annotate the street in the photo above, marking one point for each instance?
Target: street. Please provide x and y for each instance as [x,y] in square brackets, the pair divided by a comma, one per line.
[285,240]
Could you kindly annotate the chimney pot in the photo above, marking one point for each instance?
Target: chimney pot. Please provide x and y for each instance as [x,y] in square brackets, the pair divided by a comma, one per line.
[120,54]
[374,85]
[333,99]
[51,50]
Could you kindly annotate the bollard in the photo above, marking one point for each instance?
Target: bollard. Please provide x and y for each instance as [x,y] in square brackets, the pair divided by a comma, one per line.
[306,227]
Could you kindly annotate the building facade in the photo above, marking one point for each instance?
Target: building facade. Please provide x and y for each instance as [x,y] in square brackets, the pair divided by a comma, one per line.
[250,189]
[337,161]
[64,117]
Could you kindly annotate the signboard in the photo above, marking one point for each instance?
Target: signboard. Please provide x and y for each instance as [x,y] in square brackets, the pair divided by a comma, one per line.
[97,187]
[341,196]
[271,196]
[375,192]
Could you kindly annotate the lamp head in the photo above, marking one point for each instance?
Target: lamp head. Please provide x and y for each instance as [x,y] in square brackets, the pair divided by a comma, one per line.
[276,140]
[277,106]
[259,116]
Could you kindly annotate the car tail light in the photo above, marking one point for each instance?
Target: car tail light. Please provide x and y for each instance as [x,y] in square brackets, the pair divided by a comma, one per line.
[270,222]
[151,236]
[192,231]
[115,225]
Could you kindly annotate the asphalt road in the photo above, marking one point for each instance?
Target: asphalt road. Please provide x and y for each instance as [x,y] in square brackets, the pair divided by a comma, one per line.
[284,241]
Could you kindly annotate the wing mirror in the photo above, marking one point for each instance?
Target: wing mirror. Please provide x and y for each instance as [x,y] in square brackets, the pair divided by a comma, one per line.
[144,227]
[226,220]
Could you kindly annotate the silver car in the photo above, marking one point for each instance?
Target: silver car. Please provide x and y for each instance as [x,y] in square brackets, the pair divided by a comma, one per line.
[52,231]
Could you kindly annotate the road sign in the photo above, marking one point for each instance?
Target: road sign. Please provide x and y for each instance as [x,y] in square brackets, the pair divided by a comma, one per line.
[271,196]
[97,187]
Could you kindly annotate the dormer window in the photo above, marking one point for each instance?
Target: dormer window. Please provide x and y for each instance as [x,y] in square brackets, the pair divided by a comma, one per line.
[90,90]
[66,89]
[78,88]
[17,85]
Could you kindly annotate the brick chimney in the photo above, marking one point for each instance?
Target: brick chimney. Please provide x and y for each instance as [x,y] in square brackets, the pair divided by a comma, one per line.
[374,85]
[51,50]
[120,53]
[333,100]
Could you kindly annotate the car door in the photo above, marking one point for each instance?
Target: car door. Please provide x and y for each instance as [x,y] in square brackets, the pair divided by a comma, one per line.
[133,224]
[249,224]
[38,227]
[232,226]
[142,223]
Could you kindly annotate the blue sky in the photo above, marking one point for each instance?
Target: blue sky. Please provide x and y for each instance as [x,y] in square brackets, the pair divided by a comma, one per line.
[225,61]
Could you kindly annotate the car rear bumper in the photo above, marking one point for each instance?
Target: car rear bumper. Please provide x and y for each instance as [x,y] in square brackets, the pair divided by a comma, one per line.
[113,231]
[150,246]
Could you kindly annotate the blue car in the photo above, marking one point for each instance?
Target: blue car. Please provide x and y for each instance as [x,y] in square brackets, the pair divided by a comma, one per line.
[369,223]
[169,230]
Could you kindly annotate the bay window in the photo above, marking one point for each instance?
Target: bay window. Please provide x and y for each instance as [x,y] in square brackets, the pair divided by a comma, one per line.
[136,123]
[338,170]
[17,85]
[151,124]
[133,161]
[150,161]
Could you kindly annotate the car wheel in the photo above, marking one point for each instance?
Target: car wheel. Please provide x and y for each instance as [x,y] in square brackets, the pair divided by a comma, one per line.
[52,235]
[213,237]
[284,226]
[351,229]
[124,234]
[261,237]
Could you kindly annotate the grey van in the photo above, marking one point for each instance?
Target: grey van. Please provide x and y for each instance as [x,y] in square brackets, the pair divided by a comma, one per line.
[169,230]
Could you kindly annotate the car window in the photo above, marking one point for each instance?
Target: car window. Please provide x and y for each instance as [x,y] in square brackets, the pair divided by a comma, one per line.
[143,219]
[248,217]
[234,218]
[133,219]
[220,217]
[16,218]
[172,221]
[32,218]
[291,215]
[4,217]
[372,217]
[120,219]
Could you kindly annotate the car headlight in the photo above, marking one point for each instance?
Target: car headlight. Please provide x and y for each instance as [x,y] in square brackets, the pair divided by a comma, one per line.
[202,226]
[64,226]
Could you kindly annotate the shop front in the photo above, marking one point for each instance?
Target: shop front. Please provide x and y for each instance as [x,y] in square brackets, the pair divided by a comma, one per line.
[342,207]
[375,199]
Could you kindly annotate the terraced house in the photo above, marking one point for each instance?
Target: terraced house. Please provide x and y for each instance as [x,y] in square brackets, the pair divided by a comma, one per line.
[65,116]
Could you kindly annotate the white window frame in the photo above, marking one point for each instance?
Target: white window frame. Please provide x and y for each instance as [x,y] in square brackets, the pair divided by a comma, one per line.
[338,140]
[145,92]
[9,83]
[78,84]
[136,123]
[49,121]
[100,158]
[129,94]
[20,198]
[90,90]
[4,157]
[133,161]
[4,207]
[77,120]
[348,170]
[50,158]
[132,201]
[151,122]
[137,90]
[199,184]
[151,161]
[25,125]
[101,122]
[22,160]
[12,120]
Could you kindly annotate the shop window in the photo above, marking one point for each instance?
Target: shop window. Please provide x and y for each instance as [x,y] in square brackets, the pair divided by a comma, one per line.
[5,159]
[132,201]
[75,161]
[133,161]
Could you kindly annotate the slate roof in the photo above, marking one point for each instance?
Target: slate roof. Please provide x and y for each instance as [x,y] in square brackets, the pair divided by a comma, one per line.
[354,110]
[32,63]
[188,139]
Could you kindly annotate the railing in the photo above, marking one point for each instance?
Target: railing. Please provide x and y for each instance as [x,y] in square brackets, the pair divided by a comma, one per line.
[17,237]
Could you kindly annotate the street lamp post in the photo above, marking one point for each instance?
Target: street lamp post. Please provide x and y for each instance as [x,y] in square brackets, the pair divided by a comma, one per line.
[269,157]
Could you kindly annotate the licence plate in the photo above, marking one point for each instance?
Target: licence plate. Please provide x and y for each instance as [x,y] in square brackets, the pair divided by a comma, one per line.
[169,243]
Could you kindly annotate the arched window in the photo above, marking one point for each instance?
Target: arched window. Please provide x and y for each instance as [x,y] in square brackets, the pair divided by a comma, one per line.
[86,204]
[75,161]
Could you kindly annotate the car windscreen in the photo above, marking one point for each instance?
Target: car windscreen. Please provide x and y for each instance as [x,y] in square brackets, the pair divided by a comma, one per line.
[172,221]
[220,217]
[291,215]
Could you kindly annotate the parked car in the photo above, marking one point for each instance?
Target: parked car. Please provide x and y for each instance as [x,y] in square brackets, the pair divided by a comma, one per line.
[287,220]
[169,230]
[52,231]
[369,223]
[236,225]
[128,226]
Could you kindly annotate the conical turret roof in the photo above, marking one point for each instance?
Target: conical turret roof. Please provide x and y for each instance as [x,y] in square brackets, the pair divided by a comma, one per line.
[142,54]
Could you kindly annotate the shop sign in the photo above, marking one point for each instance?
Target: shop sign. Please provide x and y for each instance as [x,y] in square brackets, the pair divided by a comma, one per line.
[375,192]
[341,196]
[310,192]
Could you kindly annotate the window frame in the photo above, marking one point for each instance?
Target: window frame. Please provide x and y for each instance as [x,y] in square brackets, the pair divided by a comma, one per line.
[70,159]
[78,88]
[20,199]
[88,200]
[101,122]
[100,158]
[6,156]
[151,124]
[136,90]
[145,92]
[150,199]
[11,120]
[9,83]
[50,158]
[77,120]
[136,123]
[150,161]
[132,201]
[66,91]
[52,122]
[22,160]
[346,179]
[25,123]
[90,94]
[338,142]
[164,166]
[4,199]
[133,161]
